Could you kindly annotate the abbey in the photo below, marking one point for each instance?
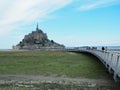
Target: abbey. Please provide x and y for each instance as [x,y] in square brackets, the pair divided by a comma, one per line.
[37,40]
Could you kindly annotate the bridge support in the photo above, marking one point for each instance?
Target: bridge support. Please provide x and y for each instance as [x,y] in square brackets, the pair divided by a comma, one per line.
[116,77]
[111,70]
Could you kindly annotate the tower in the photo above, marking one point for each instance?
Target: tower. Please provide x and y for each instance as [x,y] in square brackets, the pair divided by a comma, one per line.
[37,27]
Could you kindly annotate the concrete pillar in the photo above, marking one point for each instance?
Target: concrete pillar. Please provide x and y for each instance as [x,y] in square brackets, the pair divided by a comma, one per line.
[116,78]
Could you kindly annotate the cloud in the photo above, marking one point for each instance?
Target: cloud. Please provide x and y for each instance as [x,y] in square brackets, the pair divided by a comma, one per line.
[92,4]
[18,12]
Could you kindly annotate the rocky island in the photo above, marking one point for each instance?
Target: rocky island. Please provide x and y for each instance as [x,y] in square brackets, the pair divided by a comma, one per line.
[37,40]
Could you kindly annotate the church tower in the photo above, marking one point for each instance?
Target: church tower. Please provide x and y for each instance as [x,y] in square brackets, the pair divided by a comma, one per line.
[37,28]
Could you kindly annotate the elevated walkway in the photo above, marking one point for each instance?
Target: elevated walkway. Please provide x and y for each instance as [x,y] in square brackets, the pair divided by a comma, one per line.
[110,59]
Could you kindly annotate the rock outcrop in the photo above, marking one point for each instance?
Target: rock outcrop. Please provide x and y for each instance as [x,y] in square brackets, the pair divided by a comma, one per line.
[37,40]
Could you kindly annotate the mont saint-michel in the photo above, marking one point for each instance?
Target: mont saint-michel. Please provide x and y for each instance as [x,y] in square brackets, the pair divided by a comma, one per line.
[37,40]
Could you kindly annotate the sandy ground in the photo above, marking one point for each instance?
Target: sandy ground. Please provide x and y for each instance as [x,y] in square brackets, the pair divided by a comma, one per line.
[17,78]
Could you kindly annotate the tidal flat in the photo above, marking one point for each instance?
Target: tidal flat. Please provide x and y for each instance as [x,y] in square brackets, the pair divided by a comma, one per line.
[57,69]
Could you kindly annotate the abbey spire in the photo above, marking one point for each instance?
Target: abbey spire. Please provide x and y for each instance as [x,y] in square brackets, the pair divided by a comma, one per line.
[37,28]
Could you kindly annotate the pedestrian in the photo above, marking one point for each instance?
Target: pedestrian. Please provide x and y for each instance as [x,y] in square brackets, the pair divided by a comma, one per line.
[103,48]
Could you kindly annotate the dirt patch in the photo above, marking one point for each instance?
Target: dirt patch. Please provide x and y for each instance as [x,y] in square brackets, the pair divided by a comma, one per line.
[36,82]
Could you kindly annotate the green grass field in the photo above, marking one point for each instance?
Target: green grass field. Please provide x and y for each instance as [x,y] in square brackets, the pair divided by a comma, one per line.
[51,63]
